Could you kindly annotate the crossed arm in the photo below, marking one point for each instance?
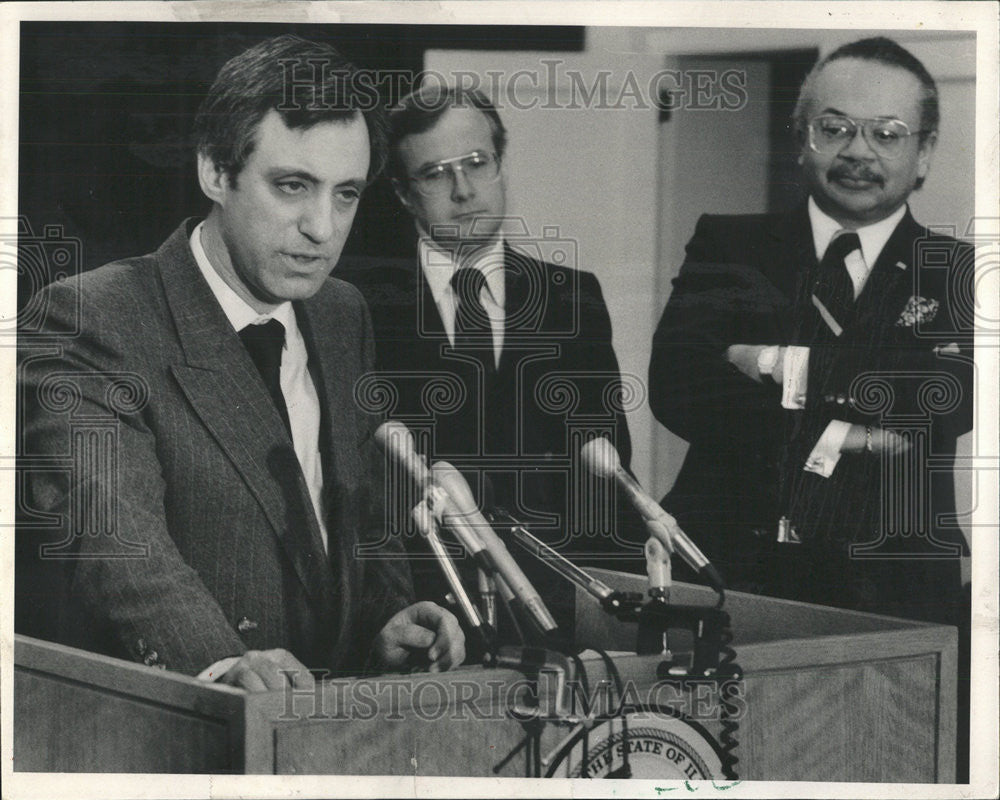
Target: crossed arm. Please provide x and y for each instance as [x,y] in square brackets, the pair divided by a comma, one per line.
[847,437]
[705,380]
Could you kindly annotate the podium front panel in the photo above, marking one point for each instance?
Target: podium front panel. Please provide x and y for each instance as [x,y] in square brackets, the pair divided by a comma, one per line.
[827,695]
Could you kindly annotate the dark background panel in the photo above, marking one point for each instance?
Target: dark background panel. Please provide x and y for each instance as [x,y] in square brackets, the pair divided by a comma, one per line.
[786,188]
[106,111]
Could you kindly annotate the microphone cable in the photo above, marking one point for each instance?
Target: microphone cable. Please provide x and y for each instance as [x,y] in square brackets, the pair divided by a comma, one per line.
[729,673]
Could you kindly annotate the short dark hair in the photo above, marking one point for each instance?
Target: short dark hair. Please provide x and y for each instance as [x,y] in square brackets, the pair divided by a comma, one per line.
[884,51]
[255,82]
[420,110]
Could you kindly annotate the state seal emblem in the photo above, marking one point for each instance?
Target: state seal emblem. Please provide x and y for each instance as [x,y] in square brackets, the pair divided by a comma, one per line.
[643,744]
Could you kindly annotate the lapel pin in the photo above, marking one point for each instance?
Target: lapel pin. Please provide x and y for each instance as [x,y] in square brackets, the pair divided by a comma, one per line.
[246,624]
[900,265]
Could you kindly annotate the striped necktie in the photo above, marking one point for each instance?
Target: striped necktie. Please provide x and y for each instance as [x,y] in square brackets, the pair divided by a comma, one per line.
[833,293]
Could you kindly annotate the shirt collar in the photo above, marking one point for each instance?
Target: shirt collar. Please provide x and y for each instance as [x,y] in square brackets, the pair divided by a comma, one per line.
[873,237]
[237,310]
[438,265]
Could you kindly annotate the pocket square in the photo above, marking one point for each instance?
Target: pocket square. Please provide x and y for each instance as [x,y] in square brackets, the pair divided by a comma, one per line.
[918,310]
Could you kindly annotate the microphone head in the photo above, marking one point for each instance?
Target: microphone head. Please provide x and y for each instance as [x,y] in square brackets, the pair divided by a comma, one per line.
[600,457]
[395,439]
[451,480]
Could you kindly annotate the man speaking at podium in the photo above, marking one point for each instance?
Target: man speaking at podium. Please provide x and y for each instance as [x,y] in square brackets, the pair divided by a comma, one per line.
[218,531]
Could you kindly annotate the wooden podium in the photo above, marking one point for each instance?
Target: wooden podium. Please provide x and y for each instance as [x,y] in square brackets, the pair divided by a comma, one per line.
[828,695]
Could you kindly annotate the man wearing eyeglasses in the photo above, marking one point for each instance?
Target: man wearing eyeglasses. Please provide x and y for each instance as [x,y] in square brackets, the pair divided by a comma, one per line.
[819,362]
[490,349]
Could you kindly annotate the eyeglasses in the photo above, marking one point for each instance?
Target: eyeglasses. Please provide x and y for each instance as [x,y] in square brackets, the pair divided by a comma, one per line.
[830,133]
[479,168]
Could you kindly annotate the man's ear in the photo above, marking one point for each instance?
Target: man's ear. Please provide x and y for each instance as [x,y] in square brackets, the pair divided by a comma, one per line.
[801,138]
[925,153]
[214,181]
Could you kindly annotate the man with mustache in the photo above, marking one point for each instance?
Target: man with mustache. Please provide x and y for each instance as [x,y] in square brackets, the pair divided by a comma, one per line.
[820,365]
[232,526]
[819,362]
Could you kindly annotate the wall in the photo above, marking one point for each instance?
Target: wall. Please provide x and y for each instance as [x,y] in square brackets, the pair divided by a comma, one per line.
[590,171]
[710,162]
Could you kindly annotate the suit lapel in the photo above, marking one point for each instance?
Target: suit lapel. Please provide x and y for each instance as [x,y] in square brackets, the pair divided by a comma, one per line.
[226,391]
[794,268]
[319,372]
[420,331]
[331,354]
[890,281]
[426,316]
[526,304]
[328,364]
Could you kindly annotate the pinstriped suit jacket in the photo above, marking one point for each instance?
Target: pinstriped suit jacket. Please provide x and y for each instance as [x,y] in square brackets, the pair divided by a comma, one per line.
[190,535]
[748,279]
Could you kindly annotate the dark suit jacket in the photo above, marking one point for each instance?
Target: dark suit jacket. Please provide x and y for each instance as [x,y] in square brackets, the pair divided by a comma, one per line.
[748,279]
[557,383]
[160,475]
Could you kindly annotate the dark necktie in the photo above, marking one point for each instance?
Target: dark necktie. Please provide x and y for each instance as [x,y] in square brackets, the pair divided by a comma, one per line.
[473,331]
[833,294]
[264,344]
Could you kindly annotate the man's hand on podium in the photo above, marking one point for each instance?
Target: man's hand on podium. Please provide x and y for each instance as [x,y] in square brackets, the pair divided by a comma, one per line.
[262,670]
[424,630]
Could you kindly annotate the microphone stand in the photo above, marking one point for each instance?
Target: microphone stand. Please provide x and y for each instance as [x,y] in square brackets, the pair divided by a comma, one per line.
[490,581]
[660,580]
[713,660]
[708,625]
[487,596]
[427,526]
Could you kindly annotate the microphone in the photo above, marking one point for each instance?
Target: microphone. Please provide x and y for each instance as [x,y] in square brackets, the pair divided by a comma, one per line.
[550,557]
[601,459]
[427,526]
[397,440]
[462,501]
[443,509]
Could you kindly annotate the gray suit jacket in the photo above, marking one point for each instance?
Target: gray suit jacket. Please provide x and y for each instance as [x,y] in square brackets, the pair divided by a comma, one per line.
[166,518]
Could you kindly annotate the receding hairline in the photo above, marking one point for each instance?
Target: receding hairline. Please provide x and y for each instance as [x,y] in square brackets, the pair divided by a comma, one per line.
[807,99]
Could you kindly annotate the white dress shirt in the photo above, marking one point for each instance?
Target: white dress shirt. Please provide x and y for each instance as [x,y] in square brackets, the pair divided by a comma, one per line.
[438,265]
[873,238]
[297,385]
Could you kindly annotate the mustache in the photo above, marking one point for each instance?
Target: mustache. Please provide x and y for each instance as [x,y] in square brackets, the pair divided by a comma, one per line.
[855,172]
